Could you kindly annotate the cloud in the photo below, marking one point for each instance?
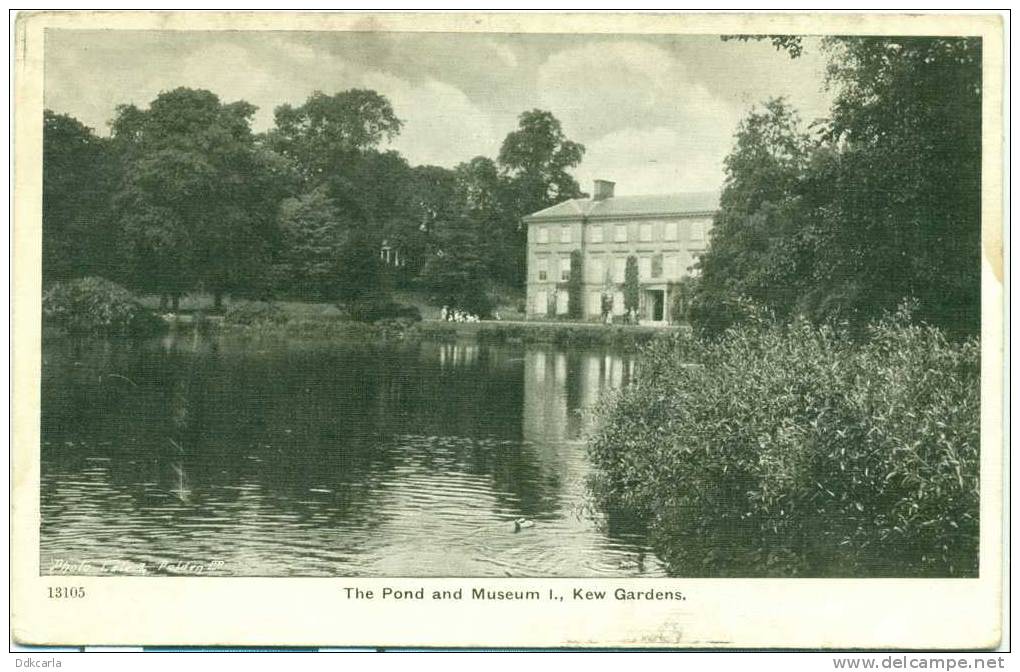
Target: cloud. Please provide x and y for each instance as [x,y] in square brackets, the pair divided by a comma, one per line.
[657,113]
[653,160]
[237,76]
[597,89]
[441,125]
[504,54]
[645,122]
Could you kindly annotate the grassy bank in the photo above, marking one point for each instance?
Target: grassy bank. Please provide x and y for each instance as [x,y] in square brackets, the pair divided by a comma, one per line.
[294,319]
[494,332]
[562,333]
[797,451]
[507,303]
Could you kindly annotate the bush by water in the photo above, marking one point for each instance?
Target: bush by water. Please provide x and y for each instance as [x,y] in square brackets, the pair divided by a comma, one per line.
[96,306]
[798,451]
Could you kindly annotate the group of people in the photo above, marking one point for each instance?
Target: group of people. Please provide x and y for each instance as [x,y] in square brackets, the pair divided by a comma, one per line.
[630,316]
[457,315]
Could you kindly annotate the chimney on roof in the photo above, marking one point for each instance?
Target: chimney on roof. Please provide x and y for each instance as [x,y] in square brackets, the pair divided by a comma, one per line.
[603,190]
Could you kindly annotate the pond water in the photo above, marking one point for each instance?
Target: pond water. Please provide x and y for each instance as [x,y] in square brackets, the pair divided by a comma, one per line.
[244,457]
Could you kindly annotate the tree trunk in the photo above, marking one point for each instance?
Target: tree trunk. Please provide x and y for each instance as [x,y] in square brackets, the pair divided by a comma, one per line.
[163,301]
[176,302]
[218,301]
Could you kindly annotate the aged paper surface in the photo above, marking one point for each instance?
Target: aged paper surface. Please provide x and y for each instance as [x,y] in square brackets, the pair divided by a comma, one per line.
[298,608]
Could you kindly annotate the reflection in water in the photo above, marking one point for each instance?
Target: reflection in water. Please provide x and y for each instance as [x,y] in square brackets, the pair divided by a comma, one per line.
[330,459]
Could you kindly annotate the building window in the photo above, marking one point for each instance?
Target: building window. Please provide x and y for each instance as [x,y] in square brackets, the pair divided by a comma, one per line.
[542,264]
[670,231]
[595,303]
[543,235]
[562,302]
[672,264]
[541,306]
[620,233]
[565,234]
[619,269]
[646,232]
[644,267]
[618,303]
[698,231]
[657,266]
[596,233]
[595,269]
[564,268]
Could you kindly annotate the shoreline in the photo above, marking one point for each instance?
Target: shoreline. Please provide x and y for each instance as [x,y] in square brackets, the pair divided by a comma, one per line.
[490,331]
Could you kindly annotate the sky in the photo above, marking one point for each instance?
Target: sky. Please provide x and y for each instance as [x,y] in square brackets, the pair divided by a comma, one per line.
[656,113]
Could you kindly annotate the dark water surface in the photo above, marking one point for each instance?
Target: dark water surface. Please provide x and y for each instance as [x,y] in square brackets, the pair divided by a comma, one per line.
[268,458]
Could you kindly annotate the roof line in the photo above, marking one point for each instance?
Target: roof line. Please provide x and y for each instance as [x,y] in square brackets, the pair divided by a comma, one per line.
[651,215]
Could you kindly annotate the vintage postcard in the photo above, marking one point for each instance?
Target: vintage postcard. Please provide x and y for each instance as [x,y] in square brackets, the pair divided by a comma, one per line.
[508,330]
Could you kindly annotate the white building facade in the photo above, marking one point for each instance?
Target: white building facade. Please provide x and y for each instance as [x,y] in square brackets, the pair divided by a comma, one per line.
[664,233]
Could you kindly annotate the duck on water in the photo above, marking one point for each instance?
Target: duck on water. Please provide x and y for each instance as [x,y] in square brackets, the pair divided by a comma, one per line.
[522,523]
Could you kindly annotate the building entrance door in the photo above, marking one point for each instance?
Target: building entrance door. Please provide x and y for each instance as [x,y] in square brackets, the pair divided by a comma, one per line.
[655,305]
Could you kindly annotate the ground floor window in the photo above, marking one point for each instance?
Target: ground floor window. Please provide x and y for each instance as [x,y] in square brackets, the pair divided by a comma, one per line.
[618,303]
[619,269]
[595,303]
[562,302]
[645,267]
[672,266]
[564,269]
[541,304]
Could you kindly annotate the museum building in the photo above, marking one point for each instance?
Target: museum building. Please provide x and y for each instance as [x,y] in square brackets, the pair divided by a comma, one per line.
[664,233]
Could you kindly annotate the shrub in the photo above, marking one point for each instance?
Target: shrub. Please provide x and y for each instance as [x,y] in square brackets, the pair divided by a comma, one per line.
[779,451]
[378,307]
[575,287]
[713,312]
[252,313]
[96,306]
[631,285]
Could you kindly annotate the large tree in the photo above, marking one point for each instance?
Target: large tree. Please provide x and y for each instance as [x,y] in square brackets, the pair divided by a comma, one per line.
[882,206]
[907,187]
[335,141]
[534,161]
[536,158]
[327,132]
[313,237]
[457,274]
[481,196]
[79,173]
[198,197]
[758,249]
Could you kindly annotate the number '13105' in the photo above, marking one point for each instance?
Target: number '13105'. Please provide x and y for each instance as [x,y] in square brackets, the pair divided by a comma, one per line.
[65,592]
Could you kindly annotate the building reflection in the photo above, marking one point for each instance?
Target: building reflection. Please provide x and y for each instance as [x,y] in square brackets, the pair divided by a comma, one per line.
[560,388]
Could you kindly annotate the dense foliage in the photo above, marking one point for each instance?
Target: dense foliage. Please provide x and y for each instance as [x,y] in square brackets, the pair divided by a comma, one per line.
[96,306]
[79,175]
[880,203]
[183,197]
[797,450]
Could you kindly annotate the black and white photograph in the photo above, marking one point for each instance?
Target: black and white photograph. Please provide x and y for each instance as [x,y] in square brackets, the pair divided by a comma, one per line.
[643,305]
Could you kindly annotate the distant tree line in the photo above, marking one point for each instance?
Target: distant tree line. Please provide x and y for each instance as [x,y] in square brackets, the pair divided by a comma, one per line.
[183,196]
[877,204]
